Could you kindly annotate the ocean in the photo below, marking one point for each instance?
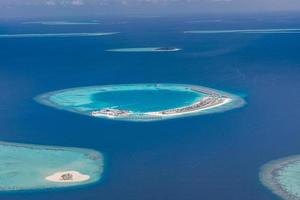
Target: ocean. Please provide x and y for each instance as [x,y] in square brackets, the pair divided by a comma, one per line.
[216,156]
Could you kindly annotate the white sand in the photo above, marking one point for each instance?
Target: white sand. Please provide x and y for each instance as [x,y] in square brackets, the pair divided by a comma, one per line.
[160,114]
[76,177]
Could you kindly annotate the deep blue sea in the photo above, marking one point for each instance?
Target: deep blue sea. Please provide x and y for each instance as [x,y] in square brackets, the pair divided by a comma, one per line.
[209,157]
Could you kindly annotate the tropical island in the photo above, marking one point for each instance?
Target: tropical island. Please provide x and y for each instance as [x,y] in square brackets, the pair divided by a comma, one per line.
[210,101]
[32,167]
[142,102]
[282,177]
[68,177]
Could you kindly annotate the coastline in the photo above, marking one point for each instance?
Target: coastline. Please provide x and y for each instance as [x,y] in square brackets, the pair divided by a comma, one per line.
[162,113]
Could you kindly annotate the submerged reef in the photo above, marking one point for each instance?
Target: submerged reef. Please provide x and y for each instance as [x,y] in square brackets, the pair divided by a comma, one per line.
[246,31]
[31,167]
[141,102]
[282,177]
[51,35]
[62,22]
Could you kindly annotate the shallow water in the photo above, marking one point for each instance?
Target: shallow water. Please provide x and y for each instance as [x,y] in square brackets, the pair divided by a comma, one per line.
[139,101]
[25,167]
[136,98]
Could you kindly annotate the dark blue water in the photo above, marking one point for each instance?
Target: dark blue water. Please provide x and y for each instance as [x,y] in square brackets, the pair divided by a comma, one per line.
[211,157]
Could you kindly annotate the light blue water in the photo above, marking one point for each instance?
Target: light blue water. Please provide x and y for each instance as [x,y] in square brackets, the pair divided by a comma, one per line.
[25,167]
[146,100]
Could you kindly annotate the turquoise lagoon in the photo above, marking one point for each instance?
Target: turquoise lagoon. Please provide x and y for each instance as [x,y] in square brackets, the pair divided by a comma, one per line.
[136,98]
[283,177]
[25,167]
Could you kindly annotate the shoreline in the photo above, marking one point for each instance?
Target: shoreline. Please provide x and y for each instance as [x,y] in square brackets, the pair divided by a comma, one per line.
[174,113]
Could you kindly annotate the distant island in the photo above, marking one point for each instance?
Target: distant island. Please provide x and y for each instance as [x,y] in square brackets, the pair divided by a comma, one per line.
[282,177]
[32,167]
[167,49]
[142,102]
[146,49]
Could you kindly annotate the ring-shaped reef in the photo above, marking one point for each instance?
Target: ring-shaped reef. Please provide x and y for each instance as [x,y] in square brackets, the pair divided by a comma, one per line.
[141,102]
[146,49]
[282,177]
[26,167]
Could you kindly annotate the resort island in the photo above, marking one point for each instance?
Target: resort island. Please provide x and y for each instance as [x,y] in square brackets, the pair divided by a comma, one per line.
[211,100]
[142,102]
[282,177]
[26,167]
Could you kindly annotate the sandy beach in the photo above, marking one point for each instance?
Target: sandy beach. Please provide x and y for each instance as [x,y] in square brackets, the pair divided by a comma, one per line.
[224,101]
[68,177]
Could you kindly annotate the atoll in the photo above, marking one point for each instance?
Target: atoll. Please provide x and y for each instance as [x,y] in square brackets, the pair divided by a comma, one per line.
[141,102]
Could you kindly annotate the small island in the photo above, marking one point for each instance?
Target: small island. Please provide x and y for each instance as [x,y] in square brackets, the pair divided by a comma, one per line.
[32,167]
[282,177]
[68,177]
[146,49]
[166,49]
[142,102]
